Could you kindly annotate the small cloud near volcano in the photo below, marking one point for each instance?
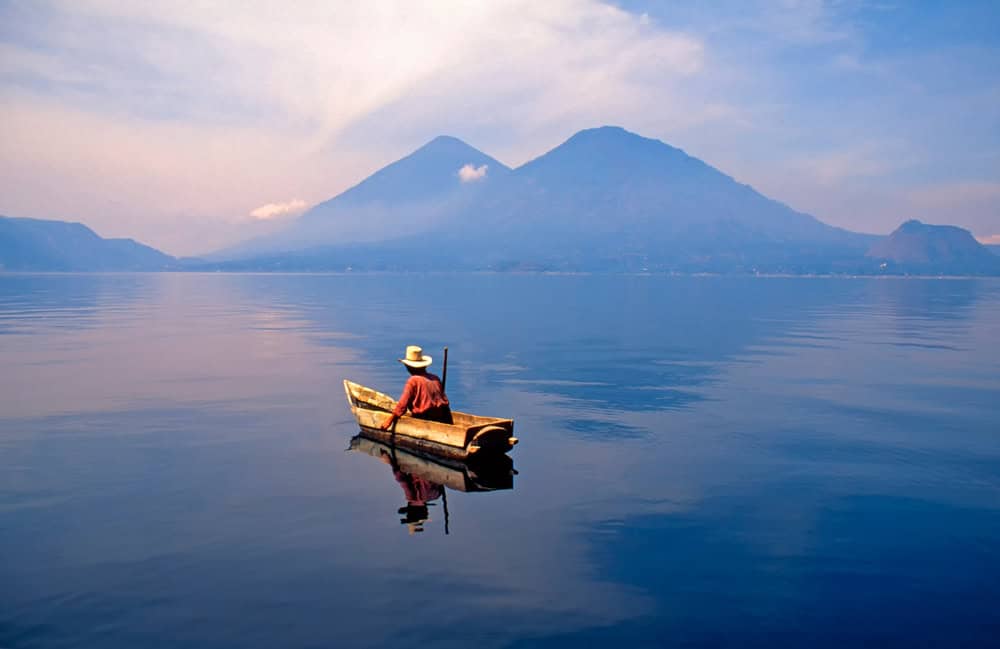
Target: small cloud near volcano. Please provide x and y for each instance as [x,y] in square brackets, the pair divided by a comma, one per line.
[470,173]
[278,210]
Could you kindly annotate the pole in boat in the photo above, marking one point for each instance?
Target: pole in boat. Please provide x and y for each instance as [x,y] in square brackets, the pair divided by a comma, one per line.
[444,489]
[444,370]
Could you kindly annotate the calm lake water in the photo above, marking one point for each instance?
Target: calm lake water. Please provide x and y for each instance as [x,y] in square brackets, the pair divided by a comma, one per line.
[703,462]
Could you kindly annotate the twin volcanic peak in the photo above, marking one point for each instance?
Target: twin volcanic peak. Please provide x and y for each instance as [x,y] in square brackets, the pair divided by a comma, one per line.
[605,199]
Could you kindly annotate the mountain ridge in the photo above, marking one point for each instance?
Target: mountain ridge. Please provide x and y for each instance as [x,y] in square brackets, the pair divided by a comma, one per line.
[28,244]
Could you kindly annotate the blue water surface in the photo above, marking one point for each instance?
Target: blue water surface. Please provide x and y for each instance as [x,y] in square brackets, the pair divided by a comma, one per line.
[704,462]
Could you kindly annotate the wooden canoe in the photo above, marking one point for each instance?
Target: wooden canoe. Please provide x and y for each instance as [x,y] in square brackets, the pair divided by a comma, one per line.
[493,473]
[469,436]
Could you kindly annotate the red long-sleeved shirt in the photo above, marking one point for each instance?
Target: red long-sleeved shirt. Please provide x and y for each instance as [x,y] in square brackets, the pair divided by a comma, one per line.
[422,392]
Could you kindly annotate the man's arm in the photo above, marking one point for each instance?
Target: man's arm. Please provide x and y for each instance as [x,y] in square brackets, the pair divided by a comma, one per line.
[401,406]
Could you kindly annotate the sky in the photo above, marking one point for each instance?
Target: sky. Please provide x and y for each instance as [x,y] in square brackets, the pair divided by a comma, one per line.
[192,125]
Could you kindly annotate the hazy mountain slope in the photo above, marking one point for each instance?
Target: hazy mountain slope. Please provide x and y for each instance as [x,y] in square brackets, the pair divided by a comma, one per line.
[412,195]
[607,177]
[920,247]
[42,245]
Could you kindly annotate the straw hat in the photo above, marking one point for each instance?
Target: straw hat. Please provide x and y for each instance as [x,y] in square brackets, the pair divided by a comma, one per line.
[415,357]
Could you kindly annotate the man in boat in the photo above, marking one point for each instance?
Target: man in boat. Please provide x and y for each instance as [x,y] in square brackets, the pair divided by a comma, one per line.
[423,394]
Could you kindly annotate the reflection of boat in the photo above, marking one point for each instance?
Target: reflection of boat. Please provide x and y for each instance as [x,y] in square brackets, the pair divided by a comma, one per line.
[488,474]
[468,436]
[425,480]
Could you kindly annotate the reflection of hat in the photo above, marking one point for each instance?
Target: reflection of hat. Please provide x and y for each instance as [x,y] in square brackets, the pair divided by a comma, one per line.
[416,516]
[415,357]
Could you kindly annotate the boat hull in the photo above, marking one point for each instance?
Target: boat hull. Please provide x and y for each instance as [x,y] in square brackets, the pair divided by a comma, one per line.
[422,446]
[468,436]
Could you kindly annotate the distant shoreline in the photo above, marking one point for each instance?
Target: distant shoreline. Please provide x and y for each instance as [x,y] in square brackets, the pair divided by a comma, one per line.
[333,273]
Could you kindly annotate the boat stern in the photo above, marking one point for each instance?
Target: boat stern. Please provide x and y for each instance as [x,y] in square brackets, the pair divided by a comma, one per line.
[492,440]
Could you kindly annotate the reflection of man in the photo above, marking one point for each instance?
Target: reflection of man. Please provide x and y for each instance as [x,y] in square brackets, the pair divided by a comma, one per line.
[418,493]
[423,395]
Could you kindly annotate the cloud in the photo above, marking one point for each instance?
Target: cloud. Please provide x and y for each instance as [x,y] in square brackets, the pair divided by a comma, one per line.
[971,204]
[957,195]
[470,173]
[833,169]
[326,65]
[991,240]
[278,210]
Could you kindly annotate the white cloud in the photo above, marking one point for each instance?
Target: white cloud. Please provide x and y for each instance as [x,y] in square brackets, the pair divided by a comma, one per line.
[470,173]
[871,159]
[326,65]
[278,210]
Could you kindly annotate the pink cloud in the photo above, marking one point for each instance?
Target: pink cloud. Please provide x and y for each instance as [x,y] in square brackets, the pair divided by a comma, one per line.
[278,210]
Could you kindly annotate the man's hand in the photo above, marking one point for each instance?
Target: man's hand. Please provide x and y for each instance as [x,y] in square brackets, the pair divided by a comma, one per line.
[388,423]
